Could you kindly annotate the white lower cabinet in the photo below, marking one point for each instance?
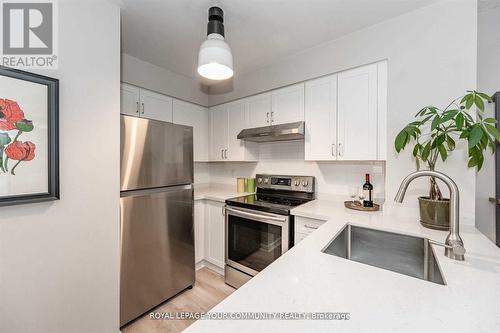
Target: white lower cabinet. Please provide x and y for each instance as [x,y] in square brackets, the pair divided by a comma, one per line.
[209,237]
[305,226]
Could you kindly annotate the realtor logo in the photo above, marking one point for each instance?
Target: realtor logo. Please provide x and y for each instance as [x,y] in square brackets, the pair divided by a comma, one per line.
[28,34]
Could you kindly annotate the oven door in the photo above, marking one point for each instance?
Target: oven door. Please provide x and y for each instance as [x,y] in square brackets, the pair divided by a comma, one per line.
[254,239]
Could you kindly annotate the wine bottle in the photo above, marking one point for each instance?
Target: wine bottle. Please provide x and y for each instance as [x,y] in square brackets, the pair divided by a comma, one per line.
[368,192]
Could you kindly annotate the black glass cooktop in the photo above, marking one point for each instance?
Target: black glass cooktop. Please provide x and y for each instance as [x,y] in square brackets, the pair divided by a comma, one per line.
[273,203]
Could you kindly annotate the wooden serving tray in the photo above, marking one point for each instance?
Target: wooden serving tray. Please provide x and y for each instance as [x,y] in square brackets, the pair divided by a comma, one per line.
[358,206]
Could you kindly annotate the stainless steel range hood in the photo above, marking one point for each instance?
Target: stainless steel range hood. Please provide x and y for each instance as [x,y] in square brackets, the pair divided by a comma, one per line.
[282,132]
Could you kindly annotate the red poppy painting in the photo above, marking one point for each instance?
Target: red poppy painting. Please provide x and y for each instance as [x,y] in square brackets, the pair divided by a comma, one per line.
[29,167]
[10,114]
[12,121]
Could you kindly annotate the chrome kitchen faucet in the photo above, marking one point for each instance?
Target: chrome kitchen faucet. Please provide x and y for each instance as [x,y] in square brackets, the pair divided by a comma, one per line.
[454,246]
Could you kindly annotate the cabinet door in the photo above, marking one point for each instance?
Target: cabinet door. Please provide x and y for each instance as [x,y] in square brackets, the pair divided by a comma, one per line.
[218,132]
[304,226]
[189,114]
[214,232]
[357,113]
[287,104]
[156,106]
[320,115]
[382,109]
[129,100]
[235,123]
[199,230]
[258,110]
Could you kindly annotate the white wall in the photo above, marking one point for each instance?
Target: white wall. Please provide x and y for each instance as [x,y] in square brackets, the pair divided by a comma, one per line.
[288,158]
[147,75]
[201,172]
[488,80]
[429,62]
[59,261]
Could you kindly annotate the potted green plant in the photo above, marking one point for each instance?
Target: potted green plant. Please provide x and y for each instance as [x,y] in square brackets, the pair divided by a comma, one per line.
[434,135]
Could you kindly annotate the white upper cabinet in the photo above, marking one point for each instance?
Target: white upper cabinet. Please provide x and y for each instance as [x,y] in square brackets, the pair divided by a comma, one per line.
[258,110]
[236,122]
[144,103]
[357,113]
[346,115]
[156,106]
[280,106]
[287,104]
[189,114]
[320,119]
[129,100]
[226,122]
[218,132]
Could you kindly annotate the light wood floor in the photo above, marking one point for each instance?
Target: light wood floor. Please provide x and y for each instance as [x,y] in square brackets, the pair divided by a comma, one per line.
[208,291]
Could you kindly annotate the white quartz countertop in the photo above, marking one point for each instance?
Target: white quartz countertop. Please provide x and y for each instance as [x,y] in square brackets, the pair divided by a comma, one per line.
[216,192]
[307,280]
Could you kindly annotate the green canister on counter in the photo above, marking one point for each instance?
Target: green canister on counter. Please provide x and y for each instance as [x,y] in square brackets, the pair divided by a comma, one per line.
[250,185]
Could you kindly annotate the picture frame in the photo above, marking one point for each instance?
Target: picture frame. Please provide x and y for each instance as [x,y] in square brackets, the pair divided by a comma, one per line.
[29,137]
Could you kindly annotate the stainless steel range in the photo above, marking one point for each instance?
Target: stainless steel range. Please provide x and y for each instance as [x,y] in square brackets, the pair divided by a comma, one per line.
[259,227]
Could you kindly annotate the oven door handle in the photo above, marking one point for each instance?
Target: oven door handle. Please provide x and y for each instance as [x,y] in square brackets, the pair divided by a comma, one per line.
[266,217]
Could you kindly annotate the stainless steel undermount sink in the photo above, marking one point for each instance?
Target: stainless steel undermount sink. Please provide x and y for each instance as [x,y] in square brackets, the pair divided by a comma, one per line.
[409,255]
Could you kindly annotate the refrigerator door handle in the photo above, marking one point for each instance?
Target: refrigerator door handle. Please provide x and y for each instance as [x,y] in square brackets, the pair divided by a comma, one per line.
[173,188]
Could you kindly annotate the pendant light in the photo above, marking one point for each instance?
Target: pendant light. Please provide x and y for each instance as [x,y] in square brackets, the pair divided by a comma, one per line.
[215,60]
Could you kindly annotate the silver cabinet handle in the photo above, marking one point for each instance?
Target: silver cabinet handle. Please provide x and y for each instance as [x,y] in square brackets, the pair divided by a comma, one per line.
[311,226]
[267,115]
[136,107]
[142,107]
[334,148]
[494,200]
[222,153]
[272,117]
[341,150]
[225,154]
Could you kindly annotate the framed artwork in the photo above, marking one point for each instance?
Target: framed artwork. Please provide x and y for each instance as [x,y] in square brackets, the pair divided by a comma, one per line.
[29,137]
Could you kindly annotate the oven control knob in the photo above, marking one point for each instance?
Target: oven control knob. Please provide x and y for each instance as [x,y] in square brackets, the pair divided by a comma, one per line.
[266,180]
[259,180]
[305,183]
[297,183]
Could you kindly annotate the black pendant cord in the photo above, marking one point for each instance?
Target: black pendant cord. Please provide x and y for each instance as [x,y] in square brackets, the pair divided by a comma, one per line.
[215,21]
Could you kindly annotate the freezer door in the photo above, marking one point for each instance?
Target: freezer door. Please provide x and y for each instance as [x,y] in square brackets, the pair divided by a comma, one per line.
[157,255]
[154,153]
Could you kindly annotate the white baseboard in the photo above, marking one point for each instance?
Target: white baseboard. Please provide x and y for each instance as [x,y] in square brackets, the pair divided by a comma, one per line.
[210,266]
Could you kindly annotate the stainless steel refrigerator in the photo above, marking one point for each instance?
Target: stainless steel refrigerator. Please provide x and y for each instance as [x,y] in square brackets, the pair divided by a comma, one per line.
[156,203]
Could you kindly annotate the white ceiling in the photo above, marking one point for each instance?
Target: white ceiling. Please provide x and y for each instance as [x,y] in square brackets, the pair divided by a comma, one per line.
[168,33]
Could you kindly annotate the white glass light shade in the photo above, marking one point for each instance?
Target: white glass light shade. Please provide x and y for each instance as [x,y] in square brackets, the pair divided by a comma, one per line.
[215,60]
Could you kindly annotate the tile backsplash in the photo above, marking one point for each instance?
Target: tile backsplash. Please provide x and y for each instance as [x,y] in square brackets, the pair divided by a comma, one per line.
[287,158]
